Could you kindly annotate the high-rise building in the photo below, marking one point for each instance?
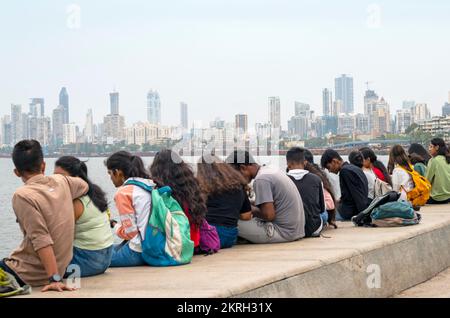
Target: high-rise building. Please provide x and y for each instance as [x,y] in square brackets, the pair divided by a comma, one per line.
[184,116]
[403,120]
[40,130]
[25,126]
[69,134]
[420,112]
[16,123]
[58,125]
[89,127]
[114,103]
[6,130]
[446,109]
[329,125]
[408,104]
[298,127]
[338,108]
[370,99]
[361,124]
[302,109]
[327,101]
[241,123]
[153,108]
[217,123]
[64,102]
[380,118]
[275,112]
[37,107]
[113,128]
[344,92]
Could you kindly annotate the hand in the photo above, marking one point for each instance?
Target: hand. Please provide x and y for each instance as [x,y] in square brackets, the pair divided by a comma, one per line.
[112,223]
[57,286]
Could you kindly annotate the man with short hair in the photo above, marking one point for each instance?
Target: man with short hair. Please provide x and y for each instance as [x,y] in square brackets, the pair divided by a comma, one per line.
[44,211]
[353,183]
[278,216]
[310,189]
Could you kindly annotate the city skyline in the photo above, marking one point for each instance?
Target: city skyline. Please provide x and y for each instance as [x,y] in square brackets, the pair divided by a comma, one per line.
[216,57]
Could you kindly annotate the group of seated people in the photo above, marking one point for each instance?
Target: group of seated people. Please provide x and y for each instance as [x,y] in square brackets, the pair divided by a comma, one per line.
[66,222]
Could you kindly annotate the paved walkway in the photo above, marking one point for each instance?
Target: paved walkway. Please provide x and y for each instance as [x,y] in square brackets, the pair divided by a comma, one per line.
[437,287]
[323,267]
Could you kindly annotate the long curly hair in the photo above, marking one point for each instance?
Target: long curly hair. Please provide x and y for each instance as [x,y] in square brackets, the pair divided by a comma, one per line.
[216,176]
[168,169]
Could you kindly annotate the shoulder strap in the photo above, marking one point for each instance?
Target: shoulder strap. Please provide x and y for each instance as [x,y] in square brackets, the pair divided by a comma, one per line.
[139,184]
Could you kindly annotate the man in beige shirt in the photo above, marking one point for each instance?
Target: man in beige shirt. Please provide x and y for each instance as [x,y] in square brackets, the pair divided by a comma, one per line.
[44,211]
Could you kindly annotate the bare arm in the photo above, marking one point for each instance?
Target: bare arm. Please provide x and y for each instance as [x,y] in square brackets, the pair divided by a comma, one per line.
[48,259]
[265,211]
[78,209]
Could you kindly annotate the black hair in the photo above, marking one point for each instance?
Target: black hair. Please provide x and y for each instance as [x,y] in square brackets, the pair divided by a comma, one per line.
[356,158]
[130,165]
[296,155]
[443,149]
[421,154]
[240,158]
[370,154]
[168,169]
[77,168]
[27,156]
[309,156]
[328,156]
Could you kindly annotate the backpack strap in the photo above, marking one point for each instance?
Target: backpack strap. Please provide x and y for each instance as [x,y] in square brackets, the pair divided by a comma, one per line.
[139,184]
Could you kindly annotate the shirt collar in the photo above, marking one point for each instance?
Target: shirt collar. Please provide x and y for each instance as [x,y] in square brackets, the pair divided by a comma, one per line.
[36,179]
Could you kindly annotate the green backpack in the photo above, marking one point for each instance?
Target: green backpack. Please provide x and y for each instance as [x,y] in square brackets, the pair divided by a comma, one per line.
[167,237]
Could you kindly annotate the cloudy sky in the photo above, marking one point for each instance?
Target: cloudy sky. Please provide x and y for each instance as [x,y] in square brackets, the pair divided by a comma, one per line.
[222,57]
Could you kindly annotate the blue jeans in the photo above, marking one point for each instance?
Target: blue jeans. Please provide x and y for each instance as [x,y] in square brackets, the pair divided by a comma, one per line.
[92,262]
[227,235]
[124,256]
[324,217]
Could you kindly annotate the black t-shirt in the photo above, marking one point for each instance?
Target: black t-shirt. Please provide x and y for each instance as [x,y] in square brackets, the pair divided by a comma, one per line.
[354,191]
[224,209]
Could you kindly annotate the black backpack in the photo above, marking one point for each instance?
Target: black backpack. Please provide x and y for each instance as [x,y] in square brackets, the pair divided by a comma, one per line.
[363,218]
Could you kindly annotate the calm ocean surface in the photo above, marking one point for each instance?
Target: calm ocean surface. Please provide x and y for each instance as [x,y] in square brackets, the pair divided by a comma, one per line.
[10,235]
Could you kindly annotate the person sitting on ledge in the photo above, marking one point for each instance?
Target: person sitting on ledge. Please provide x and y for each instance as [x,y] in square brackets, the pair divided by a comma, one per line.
[133,203]
[93,244]
[310,189]
[438,172]
[278,216]
[227,199]
[44,211]
[353,183]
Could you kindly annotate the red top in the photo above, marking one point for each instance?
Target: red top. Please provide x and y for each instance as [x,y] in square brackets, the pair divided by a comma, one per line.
[195,230]
[379,174]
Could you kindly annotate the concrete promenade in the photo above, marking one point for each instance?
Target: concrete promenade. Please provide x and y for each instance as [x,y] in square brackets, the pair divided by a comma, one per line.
[348,262]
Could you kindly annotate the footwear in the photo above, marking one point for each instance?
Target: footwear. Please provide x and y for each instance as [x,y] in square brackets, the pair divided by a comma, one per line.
[9,286]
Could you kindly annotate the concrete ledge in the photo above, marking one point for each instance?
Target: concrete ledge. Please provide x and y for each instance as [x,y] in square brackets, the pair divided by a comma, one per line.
[317,267]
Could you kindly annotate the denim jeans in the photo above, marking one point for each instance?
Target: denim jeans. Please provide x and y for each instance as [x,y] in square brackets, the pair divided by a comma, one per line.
[227,235]
[124,256]
[324,217]
[92,262]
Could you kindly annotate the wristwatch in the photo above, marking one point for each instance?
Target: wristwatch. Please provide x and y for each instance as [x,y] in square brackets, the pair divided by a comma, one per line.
[55,279]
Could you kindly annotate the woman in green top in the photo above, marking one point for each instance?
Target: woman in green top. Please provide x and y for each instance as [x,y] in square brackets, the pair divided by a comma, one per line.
[93,244]
[438,172]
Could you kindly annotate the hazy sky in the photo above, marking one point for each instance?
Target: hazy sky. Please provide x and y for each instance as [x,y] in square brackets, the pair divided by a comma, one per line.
[222,57]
